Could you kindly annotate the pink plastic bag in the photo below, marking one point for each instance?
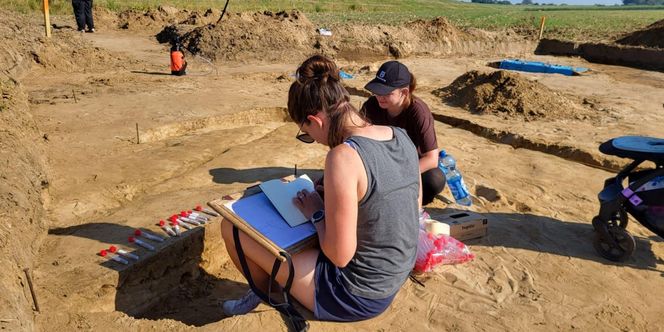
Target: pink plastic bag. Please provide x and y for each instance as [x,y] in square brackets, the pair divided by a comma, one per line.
[434,250]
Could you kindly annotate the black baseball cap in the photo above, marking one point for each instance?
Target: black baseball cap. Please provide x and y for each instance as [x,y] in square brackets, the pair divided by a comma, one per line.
[391,75]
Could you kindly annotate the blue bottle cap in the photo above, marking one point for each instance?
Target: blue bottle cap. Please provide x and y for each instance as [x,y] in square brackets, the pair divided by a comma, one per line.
[442,154]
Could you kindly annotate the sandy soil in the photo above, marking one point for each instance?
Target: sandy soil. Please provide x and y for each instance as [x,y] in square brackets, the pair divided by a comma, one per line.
[213,133]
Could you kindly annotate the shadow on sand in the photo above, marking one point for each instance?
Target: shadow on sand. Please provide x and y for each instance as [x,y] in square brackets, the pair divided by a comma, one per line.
[253,175]
[171,284]
[549,235]
[168,283]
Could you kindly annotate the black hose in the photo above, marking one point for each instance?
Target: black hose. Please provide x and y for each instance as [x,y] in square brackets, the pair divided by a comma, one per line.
[223,12]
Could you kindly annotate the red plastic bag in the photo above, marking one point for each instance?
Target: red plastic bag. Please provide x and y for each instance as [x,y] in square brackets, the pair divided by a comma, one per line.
[434,250]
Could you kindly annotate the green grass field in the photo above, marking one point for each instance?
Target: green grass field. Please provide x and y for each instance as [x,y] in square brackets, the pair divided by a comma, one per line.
[590,22]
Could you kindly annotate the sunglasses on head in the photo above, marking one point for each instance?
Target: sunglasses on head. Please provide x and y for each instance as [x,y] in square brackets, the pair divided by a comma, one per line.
[304,137]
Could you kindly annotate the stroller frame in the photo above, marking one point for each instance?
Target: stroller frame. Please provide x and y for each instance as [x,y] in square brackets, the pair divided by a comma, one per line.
[612,241]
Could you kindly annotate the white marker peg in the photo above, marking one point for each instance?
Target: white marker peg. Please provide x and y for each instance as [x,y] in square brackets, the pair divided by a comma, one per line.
[174,223]
[104,253]
[124,253]
[166,228]
[141,243]
[148,236]
[208,211]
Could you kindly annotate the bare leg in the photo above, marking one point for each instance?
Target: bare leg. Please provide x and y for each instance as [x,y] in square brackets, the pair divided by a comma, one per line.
[260,262]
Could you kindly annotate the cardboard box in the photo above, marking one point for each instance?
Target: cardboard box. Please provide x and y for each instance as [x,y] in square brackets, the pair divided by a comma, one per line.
[463,225]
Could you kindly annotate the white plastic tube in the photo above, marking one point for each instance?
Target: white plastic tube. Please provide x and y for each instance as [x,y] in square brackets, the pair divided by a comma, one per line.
[124,253]
[188,220]
[113,257]
[148,236]
[166,228]
[141,243]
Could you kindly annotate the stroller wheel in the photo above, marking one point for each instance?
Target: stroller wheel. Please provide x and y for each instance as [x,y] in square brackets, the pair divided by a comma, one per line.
[620,249]
[598,224]
[619,219]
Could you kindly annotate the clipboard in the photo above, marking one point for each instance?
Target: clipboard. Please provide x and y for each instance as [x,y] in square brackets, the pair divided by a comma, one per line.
[274,239]
[224,206]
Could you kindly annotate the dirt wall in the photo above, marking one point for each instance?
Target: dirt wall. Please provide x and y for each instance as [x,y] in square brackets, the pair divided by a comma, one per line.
[22,181]
[630,56]
[651,36]
[23,169]
[23,176]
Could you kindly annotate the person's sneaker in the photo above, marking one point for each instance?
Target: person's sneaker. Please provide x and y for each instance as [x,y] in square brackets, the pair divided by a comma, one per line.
[81,30]
[243,305]
[91,30]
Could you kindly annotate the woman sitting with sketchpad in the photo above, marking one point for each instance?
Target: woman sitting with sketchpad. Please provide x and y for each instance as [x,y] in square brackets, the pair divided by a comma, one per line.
[393,104]
[368,225]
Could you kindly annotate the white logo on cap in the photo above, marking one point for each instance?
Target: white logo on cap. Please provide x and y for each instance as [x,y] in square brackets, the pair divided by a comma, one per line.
[381,76]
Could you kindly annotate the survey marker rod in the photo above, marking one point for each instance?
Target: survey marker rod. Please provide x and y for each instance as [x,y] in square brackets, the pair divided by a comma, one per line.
[47,19]
[542,26]
[32,288]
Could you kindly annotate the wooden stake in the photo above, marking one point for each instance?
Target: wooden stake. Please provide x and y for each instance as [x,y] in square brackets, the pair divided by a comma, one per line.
[542,26]
[47,19]
[32,290]
[138,138]
[74,94]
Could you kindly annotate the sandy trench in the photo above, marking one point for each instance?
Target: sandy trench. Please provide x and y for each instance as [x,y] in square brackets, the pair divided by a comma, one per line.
[209,135]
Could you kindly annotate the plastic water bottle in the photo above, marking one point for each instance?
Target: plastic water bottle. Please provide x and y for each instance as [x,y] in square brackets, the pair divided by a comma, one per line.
[447,165]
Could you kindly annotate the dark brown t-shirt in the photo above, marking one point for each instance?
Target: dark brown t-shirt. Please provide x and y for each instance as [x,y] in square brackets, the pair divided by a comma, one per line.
[417,120]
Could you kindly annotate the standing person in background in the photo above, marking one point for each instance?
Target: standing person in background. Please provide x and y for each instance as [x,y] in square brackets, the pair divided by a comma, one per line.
[393,104]
[83,14]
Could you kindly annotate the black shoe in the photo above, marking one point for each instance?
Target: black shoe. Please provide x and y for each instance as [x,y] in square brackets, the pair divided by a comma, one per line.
[90,30]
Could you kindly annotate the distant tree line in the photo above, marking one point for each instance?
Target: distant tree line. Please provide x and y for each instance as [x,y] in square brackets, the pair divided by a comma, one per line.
[531,2]
[523,2]
[495,2]
[643,2]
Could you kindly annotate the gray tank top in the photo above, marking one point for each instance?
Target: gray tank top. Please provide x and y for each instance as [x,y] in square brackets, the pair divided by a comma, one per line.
[387,223]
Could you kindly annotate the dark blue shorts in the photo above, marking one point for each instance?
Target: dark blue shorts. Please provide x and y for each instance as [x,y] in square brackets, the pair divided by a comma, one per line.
[334,302]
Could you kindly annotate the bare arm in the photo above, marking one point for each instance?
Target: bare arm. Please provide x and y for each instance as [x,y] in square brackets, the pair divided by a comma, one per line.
[337,234]
[429,160]
[342,173]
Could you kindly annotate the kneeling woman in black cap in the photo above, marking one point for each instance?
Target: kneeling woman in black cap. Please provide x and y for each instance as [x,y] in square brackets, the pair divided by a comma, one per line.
[394,104]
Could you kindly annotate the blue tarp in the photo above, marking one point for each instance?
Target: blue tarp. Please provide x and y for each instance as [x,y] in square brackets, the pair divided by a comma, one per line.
[345,75]
[540,67]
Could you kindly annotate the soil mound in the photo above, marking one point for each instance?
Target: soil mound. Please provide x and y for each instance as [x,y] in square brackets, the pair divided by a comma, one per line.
[68,53]
[508,94]
[436,30]
[267,35]
[284,35]
[25,45]
[651,36]
[437,36]
[154,20]
[17,38]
